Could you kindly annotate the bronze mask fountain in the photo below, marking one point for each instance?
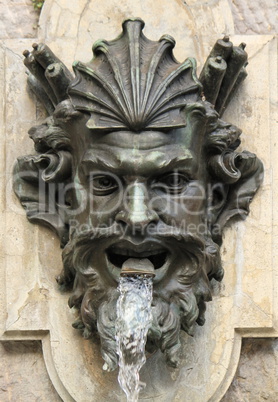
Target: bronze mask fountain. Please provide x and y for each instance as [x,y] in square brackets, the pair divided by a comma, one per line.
[134,162]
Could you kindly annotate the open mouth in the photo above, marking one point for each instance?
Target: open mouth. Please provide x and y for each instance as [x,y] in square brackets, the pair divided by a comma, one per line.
[158,259]
[117,256]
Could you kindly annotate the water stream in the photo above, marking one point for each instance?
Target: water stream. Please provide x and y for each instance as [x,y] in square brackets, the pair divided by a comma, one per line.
[134,318]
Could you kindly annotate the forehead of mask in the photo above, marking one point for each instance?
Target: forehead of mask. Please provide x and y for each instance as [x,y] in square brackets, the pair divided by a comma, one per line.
[138,153]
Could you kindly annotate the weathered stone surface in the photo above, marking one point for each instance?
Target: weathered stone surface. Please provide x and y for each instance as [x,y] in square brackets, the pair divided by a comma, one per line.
[257,373]
[23,375]
[18,19]
[255,16]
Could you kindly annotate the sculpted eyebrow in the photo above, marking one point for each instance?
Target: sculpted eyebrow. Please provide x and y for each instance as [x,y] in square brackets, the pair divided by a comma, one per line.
[98,163]
[181,162]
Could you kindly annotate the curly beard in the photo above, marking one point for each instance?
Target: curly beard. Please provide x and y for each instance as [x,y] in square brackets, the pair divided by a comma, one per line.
[176,305]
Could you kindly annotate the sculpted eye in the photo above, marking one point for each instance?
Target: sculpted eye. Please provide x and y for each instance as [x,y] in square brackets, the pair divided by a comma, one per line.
[173,183]
[104,184]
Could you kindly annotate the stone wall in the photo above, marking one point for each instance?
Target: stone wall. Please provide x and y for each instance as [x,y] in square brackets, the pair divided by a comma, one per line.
[256,376]
[18,19]
[23,375]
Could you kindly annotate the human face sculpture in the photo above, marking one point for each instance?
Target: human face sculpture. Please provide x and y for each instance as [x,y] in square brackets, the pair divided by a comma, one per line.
[141,184]
[141,196]
[139,166]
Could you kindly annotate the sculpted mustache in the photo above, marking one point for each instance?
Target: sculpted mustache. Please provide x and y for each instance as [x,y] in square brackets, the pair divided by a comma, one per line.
[163,232]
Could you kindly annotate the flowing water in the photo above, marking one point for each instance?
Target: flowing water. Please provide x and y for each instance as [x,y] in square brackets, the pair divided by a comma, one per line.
[134,318]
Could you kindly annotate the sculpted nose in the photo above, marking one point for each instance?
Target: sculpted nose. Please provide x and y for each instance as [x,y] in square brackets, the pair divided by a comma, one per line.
[136,212]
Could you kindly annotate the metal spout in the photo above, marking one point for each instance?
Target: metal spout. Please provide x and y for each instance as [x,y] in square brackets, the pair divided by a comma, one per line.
[138,267]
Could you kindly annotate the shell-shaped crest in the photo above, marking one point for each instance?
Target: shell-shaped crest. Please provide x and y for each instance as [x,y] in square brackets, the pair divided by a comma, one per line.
[134,83]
